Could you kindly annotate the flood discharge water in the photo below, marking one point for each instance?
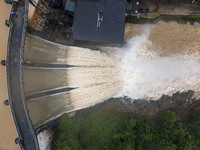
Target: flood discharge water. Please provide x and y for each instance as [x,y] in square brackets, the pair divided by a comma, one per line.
[157,59]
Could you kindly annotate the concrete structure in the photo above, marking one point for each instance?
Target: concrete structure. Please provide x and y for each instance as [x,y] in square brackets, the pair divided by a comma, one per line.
[27,138]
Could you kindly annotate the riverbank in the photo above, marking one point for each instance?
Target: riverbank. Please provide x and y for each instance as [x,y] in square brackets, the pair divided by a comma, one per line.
[7,128]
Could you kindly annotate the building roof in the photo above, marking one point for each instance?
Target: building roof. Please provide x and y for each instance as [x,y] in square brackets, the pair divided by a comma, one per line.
[99,20]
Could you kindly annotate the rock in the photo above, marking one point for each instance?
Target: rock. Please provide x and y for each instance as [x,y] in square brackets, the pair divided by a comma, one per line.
[196,23]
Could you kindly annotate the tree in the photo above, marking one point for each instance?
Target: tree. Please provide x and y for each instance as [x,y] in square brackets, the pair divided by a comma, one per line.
[104,130]
[169,118]
[196,113]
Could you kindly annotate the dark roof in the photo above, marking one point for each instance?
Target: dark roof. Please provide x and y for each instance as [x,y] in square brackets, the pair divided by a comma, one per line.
[99,20]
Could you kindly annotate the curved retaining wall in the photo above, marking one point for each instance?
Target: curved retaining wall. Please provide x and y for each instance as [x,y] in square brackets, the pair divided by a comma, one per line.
[14,62]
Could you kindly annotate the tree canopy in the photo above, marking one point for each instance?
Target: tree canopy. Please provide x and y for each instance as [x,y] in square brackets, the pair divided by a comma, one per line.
[104,130]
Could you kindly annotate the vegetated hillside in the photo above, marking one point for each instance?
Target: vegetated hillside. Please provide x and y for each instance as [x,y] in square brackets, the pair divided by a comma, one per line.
[100,128]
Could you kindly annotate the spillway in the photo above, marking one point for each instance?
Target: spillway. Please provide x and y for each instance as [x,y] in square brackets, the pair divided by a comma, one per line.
[60,78]
[71,79]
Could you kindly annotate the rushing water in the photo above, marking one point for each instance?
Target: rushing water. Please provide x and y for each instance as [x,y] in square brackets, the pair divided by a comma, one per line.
[148,75]
[157,59]
[138,72]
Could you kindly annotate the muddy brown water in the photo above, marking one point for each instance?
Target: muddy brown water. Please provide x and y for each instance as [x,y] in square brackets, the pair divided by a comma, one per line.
[169,38]
[7,128]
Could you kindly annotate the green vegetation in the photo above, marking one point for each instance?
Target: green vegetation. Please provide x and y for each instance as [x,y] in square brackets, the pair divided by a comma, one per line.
[108,130]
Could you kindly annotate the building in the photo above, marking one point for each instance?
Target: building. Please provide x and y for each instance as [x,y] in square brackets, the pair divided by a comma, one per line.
[99,20]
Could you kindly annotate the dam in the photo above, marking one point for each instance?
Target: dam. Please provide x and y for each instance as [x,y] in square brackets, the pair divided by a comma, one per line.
[80,77]
[72,89]
[49,73]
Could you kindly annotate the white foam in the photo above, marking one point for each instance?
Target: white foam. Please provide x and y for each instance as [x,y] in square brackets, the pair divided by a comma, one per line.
[45,139]
[146,75]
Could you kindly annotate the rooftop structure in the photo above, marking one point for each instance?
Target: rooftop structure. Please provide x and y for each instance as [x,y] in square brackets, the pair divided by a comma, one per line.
[99,20]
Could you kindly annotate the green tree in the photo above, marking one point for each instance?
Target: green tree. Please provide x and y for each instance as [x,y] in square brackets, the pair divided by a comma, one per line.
[196,113]
[169,118]
[68,134]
